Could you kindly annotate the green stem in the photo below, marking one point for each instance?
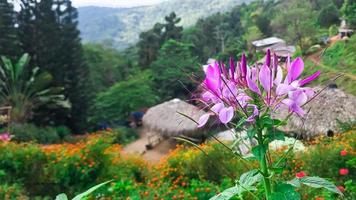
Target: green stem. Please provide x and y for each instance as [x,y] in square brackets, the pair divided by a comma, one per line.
[264,168]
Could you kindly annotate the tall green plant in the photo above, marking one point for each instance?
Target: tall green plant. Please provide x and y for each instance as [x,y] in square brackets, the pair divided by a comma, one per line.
[25,90]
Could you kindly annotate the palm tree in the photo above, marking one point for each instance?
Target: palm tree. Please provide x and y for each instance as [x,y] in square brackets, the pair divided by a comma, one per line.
[25,90]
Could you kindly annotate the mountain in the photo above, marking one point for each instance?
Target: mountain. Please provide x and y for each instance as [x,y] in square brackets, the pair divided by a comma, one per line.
[121,26]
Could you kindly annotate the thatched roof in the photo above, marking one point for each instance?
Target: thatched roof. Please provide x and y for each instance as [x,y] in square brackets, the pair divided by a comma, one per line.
[166,120]
[325,111]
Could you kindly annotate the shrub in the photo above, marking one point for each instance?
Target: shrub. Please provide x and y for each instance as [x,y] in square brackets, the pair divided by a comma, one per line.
[21,163]
[30,132]
[124,135]
[12,192]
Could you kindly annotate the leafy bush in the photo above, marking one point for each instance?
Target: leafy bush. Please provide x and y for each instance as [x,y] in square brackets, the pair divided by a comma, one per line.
[124,97]
[124,135]
[30,132]
[12,192]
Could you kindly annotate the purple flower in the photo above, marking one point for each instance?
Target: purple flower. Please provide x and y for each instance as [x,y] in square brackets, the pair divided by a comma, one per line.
[254,90]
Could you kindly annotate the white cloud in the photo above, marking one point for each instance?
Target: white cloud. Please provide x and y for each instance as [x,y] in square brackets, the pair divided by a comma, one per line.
[115,3]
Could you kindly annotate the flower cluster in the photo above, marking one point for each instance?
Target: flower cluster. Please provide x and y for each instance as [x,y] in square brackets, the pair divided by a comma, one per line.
[5,137]
[254,90]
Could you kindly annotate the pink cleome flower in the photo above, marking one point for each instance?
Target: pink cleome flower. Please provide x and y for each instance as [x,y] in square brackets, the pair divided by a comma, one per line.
[253,90]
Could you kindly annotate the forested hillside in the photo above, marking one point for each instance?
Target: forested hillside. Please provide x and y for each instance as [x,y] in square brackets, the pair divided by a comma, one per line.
[122,26]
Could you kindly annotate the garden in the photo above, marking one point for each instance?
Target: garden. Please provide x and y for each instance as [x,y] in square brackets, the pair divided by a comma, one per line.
[254,101]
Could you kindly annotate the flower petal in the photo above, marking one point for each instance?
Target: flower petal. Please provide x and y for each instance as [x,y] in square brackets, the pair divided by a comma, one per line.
[283,89]
[232,68]
[253,86]
[309,78]
[296,69]
[226,115]
[243,65]
[254,114]
[279,76]
[299,97]
[265,78]
[217,108]
[203,120]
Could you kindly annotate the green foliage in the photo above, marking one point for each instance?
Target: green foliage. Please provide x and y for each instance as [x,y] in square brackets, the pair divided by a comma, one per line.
[152,40]
[25,92]
[48,32]
[124,97]
[106,66]
[173,71]
[124,135]
[297,22]
[82,195]
[9,44]
[30,132]
[348,12]
[12,192]
[328,16]
[333,30]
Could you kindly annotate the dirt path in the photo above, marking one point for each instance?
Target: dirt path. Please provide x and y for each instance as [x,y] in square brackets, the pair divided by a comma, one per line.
[153,155]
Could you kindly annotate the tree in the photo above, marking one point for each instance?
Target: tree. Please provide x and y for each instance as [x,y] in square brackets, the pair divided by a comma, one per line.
[124,97]
[171,30]
[149,44]
[9,44]
[76,84]
[106,65]
[297,22]
[348,11]
[48,31]
[328,16]
[25,92]
[173,70]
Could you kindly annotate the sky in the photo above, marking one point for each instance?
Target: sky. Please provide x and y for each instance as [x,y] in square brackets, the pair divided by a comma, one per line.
[115,3]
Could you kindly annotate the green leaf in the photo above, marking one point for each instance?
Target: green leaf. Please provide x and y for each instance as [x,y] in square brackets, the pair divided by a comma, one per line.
[277,170]
[284,192]
[91,190]
[61,197]
[21,64]
[251,132]
[317,182]
[249,178]
[259,152]
[226,194]
[274,134]
[245,183]
[294,182]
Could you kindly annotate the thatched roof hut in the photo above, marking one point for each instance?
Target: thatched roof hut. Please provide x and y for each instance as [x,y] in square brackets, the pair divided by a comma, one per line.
[327,110]
[166,119]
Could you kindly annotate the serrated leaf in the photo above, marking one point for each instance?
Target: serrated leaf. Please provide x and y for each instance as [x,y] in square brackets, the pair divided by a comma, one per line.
[61,197]
[285,192]
[91,190]
[249,178]
[226,194]
[317,182]
[294,182]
